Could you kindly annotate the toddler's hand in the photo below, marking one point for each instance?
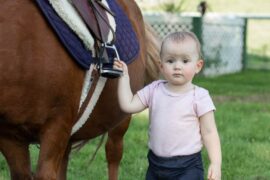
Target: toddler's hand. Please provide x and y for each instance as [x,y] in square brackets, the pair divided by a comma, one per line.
[214,172]
[121,65]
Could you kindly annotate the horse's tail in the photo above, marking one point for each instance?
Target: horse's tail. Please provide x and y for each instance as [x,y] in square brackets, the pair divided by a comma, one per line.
[153,58]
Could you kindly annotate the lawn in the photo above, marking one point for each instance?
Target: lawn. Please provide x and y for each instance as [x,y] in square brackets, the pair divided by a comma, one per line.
[242,116]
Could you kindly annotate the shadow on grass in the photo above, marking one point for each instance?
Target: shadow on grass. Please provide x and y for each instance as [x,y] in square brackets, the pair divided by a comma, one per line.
[255,61]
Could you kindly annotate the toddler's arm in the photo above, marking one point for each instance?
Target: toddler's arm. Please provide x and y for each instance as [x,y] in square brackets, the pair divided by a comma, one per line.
[212,143]
[128,102]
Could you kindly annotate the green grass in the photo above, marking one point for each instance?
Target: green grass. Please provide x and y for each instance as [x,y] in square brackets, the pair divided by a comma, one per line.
[246,83]
[242,116]
[255,61]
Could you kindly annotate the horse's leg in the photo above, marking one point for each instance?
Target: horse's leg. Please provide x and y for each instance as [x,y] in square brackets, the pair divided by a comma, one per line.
[62,173]
[18,158]
[114,148]
[53,143]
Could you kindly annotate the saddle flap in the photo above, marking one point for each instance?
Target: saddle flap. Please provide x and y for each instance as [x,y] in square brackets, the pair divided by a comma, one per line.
[95,18]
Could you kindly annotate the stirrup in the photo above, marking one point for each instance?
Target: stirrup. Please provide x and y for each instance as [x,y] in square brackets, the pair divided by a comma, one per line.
[110,73]
[107,70]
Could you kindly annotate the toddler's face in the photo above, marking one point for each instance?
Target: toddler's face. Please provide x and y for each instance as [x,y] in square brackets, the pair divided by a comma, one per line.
[180,61]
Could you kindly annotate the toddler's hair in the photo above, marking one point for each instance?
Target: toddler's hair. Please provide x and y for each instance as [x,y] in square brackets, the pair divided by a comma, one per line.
[179,37]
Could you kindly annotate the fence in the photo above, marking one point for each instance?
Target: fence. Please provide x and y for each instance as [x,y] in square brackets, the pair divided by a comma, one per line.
[258,41]
[223,38]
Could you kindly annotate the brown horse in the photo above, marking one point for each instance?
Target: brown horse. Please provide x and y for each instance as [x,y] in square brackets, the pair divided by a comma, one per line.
[40,93]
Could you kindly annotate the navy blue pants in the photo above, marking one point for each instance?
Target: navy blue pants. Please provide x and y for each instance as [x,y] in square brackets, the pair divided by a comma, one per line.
[175,168]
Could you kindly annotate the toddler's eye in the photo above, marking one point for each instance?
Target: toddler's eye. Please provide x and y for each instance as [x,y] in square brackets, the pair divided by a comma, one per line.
[170,61]
[185,61]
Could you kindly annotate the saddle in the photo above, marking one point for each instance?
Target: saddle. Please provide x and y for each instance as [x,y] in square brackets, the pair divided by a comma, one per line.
[94,14]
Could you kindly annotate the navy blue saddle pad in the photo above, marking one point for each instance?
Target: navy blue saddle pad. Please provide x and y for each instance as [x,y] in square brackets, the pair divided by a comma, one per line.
[126,39]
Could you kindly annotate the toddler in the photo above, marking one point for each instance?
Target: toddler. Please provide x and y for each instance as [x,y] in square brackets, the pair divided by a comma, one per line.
[181,114]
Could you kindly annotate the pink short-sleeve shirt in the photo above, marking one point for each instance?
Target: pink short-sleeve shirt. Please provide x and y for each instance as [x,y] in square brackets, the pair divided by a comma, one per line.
[174,128]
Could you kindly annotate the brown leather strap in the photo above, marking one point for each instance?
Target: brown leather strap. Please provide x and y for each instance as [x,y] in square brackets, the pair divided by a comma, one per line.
[95,18]
[105,7]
